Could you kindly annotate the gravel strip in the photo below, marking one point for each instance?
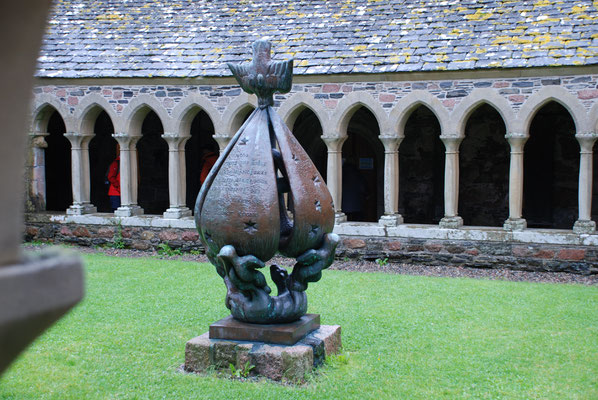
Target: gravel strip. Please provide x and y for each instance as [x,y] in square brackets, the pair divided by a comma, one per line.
[369,266]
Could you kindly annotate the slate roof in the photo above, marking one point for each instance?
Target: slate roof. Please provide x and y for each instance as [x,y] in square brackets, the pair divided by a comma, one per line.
[195,38]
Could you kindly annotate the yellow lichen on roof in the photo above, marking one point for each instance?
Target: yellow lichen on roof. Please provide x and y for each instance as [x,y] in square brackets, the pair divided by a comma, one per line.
[479,15]
[543,3]
[542,39]
[458,31]
[578,9]
[114,17]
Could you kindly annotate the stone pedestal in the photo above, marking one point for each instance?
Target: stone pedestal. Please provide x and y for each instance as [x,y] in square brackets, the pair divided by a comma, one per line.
[274,361]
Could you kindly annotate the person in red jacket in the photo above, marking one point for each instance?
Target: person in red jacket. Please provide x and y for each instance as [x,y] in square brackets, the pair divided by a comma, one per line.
[114,179]
[209,159]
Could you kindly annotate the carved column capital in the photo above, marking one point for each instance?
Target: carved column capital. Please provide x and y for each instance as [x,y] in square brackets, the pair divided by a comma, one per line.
[334,143]
[79,140]
[516,141]
[451,143]
[176,142]
[391,143]
[586,141]
[125,140]
[38,140]
[222,139]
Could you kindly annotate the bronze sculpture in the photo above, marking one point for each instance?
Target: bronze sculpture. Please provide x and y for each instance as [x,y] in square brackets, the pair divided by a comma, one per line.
[264,196]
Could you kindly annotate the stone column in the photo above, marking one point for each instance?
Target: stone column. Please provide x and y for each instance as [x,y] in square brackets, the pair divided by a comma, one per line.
[176,176]
[222,140]
[515,222]
[37,185]
[584,224]
[391,215]
[334,172]
[451,182]
[80,173]
[128,175]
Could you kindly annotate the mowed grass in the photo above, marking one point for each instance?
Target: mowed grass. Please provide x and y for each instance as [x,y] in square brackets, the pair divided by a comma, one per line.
[404,337]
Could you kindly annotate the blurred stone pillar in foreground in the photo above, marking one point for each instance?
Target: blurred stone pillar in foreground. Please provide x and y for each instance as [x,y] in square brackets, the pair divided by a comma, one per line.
[34,291]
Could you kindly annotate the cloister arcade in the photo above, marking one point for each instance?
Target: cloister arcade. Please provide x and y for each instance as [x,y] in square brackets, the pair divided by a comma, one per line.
[484,163]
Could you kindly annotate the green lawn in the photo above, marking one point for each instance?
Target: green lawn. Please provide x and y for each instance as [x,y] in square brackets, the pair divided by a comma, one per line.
[404,337]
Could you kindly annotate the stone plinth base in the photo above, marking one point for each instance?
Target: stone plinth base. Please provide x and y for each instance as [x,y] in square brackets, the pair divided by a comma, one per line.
[128,211]
[177,212]
[274,361]
[451,222]
[231,329]
[339,217]
[80,209]
[515,224]
[584,226]
[391,220]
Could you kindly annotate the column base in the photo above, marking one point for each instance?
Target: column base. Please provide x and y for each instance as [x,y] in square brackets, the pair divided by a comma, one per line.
[80,209]
[128,211]
[391,220]
[451,222]
[584,226]
[177,212]
[515,224]
[339,217]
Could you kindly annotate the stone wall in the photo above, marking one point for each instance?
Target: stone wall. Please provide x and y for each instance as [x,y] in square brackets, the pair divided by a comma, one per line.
[388,94]
[138,238]
[476,254]
[574,258]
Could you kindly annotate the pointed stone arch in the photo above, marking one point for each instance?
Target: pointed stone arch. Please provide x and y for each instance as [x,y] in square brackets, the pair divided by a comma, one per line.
[134,114]
[363,151]
[95,118]
[402,111]
[559,95]
[185,111]
[345,109]
[234,115]
[294,105]
[483,119]
[420,119]
[88,110]
[551,161]
[476,99]
[44,106]
[305,117]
